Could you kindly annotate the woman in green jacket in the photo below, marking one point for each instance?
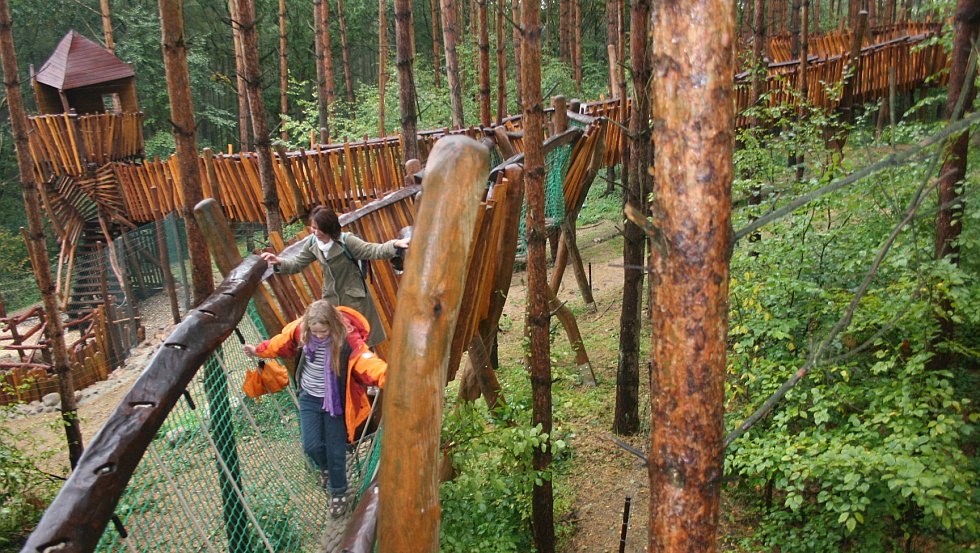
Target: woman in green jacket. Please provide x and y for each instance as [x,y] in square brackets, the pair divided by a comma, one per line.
[338,254]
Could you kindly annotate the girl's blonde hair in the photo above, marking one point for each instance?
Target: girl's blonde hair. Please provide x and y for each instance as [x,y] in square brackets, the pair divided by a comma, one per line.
[322,312]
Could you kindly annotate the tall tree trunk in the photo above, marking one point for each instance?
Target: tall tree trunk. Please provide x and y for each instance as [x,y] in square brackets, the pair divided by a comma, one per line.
[185,139]
[627,418]
[949,219]
[345,50]
[501,5]
[110,43]
[382,64]
[435,42]
[542,496]
[612,39]
[263,142]
[758,54]
[244,118]
[576,45]
[54,330]
[283,71]
[515,16]
[484,80]
[449,34]
[693,131]
[327,52]
[405,47]
[564,17]
[322,97]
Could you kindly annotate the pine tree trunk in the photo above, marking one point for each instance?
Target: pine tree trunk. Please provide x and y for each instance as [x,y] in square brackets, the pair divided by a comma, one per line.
[693,112]
[54,330]
[263,142]
[626,420]
[484,34]
[327,52]
[405,47]
[345,50]
[382,64]
[185,138]
[759,39]
[612,38]
[564,15]
[322,103]
[452,62]
[110,43]
[244,118]
[576,43]
[542,495]
[283,71]
[501,61]
[435,43]
[515,16]
[949,219]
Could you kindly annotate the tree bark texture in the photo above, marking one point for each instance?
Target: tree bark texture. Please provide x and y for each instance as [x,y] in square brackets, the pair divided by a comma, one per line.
[322,105]
[515,17]
[244,119]
[627,416]
[484,80]
[693,114]
[263,142]
[345,51]
[283,71]
[434,18]
[576,44]
[185,137]
[949,222]
[428,305]
[405,47]
[542,496]
[758,53]
[382,63]
[449,35]
[501,61]
[54,330]
[949,219]
[612,38]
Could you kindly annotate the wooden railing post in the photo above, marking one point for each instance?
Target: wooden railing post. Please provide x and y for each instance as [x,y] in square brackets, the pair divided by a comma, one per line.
[428,305]
[221,242]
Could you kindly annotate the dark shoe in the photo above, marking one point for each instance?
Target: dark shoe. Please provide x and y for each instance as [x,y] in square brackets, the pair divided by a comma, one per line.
[338,506]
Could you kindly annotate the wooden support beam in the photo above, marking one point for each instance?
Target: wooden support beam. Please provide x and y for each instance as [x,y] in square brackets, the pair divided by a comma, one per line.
[220,240]
[429,299]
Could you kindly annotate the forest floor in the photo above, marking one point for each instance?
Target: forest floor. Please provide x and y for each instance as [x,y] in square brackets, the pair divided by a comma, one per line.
[602,477]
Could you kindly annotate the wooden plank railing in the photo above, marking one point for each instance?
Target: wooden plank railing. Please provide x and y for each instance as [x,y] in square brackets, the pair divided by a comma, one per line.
[70,144]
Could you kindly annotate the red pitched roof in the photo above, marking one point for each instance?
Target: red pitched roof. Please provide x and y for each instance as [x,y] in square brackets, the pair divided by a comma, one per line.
[78,62]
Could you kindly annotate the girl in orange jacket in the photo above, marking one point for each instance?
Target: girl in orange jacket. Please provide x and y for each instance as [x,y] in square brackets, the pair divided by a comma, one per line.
[333,374]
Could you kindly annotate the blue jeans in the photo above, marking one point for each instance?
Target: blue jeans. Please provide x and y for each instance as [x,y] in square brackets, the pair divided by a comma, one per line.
[324,439]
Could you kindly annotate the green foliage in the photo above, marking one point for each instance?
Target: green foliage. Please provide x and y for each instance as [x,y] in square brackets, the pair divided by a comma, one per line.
[486,507]
[24,491]
[870,452]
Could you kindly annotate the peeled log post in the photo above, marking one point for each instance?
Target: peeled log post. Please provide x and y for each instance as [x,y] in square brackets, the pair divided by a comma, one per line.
[185,138]
[54,331]
[693,127]
[428,304]
[221,242]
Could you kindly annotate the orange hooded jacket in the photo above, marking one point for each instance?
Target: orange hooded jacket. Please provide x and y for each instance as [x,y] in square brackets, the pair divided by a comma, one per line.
[364,368]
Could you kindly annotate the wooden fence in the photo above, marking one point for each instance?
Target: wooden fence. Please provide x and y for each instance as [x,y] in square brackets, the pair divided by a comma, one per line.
[68,144]
[26,368]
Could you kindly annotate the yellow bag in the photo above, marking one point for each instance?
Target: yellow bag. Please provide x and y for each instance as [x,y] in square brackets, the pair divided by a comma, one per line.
[268,378]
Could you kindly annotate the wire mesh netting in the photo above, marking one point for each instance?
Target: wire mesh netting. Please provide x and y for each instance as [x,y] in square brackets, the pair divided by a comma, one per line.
[227,472]
[556,163]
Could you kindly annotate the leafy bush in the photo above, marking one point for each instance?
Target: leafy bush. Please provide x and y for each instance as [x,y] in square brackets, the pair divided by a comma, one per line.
[871,451]
[486,507]
[24,491]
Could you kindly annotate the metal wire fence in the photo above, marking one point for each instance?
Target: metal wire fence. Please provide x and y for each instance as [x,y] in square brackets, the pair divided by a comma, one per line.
[226,472]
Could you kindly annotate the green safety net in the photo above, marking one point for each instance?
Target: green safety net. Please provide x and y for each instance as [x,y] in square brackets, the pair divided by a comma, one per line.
[556,164]
[227,472]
